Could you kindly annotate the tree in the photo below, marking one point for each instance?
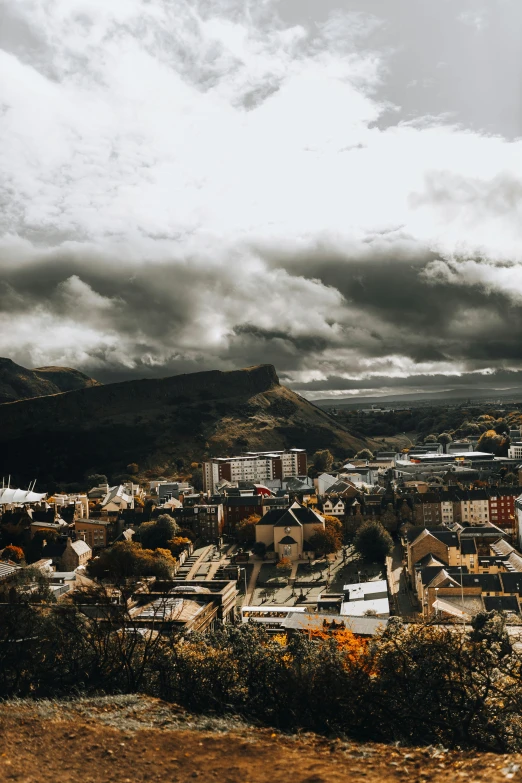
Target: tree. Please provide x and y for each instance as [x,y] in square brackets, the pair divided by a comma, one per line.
[96,479]
[324,541]
[335,527]
[389,519]
[405,512]
[511,478]
[323,461]
[494,443]
[177,545]
[133,468]
[430,439]
[13,553]
[246,530]
[196,476]
[445,438]
[128,559]
[352,525]
[364,454]
[285,566]
[42,539]
[158,533]
[373,542]
[259,548]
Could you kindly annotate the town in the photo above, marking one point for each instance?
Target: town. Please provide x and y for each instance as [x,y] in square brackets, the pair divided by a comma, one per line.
[280,539]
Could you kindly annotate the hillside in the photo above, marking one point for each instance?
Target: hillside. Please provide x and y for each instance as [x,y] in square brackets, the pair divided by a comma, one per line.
[133,738]
[156,423]
[19,383]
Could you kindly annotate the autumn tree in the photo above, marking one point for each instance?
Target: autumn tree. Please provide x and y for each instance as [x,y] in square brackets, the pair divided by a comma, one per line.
[177,544]
[494,443]
[373,542]
[128,559]
[364,454]
[246,530]
[13,553]
[335,528]
[324,541]
[284,566]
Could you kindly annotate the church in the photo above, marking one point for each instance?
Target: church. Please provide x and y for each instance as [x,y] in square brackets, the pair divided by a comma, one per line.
[287,532]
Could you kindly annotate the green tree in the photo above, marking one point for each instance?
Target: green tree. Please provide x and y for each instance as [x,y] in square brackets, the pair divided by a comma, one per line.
[158,533]
[323,461]
[389,519]
[352,524]
[364,454]
[96,479]
[259,548]
[373,542]
[42,540]
[444,438]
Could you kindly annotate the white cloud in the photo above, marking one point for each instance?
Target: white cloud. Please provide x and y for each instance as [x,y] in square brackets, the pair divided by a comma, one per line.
[158,135]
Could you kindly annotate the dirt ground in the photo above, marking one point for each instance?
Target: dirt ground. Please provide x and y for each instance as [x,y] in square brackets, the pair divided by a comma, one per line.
[132,739]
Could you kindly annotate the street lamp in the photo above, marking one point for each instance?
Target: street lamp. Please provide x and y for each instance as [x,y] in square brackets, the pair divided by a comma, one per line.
[437,602]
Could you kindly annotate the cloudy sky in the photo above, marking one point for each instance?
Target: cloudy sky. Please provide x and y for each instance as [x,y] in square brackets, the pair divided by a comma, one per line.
[331,186]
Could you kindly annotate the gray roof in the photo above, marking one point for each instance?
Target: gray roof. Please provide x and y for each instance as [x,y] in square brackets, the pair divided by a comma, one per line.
[363,626]
[288,540]
[6,570]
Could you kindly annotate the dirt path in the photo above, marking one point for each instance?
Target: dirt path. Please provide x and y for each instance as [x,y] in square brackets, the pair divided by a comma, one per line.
[136,740]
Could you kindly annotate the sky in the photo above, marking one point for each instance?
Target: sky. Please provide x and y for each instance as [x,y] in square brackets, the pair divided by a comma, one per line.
[333,187]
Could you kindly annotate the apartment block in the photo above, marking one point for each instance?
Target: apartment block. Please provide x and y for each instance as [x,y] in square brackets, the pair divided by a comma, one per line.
[254,467]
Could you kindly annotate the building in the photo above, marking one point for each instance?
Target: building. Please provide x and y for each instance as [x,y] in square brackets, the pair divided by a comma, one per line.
[287,532]
[254,467]
[92,531]
[76,554]
[117,499]
[515,450]
[334,507]
[239,507]
[366,599]
[204,520]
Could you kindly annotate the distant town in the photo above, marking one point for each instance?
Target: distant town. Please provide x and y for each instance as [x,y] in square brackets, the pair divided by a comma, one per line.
[282,539]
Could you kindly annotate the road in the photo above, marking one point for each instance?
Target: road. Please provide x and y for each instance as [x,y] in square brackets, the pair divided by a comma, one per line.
[399,587]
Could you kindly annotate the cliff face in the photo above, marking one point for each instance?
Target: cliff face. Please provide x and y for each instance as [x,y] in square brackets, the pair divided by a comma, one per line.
[157,423]
[18,383]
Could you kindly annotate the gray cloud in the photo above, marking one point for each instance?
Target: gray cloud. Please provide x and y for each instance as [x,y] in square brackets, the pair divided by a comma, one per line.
[210,187]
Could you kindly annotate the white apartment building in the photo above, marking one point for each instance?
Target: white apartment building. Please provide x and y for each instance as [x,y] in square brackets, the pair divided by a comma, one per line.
[446,509]
[254,467]
[515,450]
[475,512]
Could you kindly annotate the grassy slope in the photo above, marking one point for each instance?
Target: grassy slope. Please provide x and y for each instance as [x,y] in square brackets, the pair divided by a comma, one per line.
[155,422]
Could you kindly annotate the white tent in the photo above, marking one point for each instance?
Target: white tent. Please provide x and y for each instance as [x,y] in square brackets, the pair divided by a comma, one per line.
[10,496]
